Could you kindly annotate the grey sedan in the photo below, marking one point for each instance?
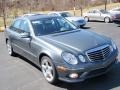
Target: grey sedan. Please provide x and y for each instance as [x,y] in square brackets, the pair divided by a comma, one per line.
[60,49]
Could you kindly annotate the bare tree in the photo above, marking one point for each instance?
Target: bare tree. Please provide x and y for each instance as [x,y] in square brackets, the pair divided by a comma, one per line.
[82,5]
[105,4]
[4,12]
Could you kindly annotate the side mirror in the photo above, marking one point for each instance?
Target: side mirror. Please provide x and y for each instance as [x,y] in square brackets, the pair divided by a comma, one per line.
[25,35]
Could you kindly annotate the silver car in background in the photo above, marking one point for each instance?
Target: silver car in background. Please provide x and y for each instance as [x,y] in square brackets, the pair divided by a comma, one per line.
[99,15]
[78,21]
[115,10]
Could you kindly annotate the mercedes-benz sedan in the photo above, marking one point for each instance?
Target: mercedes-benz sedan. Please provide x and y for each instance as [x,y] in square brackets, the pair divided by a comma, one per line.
[60,49]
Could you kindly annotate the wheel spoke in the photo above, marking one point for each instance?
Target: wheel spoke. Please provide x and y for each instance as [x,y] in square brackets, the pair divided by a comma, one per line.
[50,68]
[9,48]
[47,64]
[44,66]
[50,75]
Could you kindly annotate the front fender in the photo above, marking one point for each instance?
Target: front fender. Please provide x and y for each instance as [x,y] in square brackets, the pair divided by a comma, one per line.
[54,55]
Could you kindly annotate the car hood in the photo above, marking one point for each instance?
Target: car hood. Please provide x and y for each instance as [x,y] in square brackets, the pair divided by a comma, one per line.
[79,40]
[74,18]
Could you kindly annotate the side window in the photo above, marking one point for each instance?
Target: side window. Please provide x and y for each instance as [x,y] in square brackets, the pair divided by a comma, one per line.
[24,26]
[91,11]
[16,24]
[94,11]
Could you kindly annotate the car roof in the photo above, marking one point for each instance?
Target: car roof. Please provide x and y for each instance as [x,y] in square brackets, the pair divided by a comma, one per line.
[37,16]
[58,12]
[95,10]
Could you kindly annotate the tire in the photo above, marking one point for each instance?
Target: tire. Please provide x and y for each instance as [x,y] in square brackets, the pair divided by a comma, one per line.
[9,48]
[86,19]
[82,26]
[48,70]
[107,20]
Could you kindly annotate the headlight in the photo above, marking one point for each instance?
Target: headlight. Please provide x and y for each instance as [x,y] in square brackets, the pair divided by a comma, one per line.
[81,58]
[114,45]
[70,58]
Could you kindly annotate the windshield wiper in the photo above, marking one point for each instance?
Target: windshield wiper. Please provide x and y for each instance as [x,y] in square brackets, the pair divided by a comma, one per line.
[61,31]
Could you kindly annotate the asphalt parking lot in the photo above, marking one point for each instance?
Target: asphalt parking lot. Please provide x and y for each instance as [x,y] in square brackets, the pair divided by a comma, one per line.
[17,73]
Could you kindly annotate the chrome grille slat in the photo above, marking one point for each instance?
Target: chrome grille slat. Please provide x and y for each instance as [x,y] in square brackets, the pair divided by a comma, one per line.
[99,53]
[106,52]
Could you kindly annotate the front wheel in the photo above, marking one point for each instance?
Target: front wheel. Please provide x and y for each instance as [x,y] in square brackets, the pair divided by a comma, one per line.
[48,70]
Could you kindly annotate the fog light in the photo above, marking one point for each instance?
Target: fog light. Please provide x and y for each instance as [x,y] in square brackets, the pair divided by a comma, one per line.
[73,75]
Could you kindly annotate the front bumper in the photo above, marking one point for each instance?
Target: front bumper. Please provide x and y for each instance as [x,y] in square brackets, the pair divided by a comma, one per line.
[80,24]
[89,71]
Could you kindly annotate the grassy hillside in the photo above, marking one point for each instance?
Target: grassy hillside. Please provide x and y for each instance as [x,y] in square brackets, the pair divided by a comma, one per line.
[109,6]
[77,12]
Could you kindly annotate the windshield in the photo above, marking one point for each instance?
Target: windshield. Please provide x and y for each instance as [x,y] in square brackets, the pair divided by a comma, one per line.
[103,11]
[66,14]
[52,25]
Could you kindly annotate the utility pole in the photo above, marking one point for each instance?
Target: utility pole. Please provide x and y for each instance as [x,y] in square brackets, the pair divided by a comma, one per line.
[105,5]
[4,13]
[74,8]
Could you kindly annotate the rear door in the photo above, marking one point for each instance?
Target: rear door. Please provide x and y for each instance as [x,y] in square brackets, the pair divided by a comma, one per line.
[91,15]
[13,35]
[20,45]
[96,15]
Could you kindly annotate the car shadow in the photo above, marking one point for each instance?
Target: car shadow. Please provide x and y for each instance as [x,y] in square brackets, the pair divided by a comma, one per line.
[28,61]
[98,21]
[116,22]
[105,82]
[85,27]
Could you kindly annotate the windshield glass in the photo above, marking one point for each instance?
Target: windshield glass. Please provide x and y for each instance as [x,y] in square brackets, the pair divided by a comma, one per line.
[103,11]
[51,25]
[66,14]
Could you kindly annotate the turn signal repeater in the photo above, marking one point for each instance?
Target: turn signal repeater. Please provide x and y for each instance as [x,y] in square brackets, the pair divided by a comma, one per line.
[61,69]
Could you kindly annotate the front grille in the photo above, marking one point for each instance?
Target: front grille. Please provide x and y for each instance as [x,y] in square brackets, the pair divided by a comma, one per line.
[100,53]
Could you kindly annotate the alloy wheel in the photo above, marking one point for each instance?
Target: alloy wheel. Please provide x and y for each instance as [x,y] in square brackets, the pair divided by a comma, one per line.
[47,70]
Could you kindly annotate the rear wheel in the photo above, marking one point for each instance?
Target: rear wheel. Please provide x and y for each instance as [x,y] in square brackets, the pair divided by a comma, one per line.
[107,20]
[86,19]
[48,70]
[9,48]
